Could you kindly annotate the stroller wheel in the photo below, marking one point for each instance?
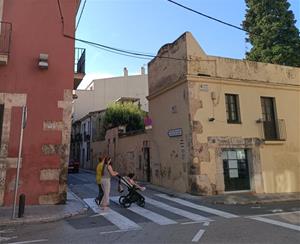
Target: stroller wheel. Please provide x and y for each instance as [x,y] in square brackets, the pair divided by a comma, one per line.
[124,202]
[141,202]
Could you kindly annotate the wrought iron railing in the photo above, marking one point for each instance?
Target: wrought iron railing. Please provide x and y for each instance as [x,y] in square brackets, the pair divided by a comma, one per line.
[5,37]
[79,64]
[273,131]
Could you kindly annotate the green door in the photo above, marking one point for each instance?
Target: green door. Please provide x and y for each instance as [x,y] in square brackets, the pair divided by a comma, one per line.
[236,172]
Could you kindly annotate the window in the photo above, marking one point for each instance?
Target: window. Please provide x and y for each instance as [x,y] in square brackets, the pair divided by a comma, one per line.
[89,127]
[88,151]
[232,108]
[270,121]
[1,119]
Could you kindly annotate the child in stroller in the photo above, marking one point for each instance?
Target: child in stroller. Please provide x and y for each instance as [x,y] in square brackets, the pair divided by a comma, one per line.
[133,195]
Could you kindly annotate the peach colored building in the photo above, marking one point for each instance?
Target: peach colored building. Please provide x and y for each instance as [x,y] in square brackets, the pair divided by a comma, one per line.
[37,71]
[222,125]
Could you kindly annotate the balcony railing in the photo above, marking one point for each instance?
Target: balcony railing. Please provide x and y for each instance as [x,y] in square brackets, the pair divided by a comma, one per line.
[78,137]
[79,64]
[5,38]
[273,131]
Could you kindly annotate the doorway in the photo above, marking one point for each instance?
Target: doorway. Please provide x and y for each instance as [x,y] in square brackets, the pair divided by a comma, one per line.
[147,160]
[236,170]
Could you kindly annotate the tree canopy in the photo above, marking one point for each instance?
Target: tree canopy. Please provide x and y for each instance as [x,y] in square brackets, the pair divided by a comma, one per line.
[127,114]
[272,32]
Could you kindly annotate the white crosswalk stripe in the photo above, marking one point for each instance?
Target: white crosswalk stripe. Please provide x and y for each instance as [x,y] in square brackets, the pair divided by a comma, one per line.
[198,207]
[178,211]
[276,222]
[112,216]
[154,217]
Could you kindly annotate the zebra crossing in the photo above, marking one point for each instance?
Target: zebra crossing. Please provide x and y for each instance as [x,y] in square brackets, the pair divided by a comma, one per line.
[125,223]
[112,216]
[173,206]
[198,207]
[154,217]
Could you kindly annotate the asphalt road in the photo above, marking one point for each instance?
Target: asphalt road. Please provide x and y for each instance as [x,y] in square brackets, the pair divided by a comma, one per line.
[164,219]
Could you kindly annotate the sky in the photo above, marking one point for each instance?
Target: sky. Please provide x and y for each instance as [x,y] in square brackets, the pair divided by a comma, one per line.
[146,25]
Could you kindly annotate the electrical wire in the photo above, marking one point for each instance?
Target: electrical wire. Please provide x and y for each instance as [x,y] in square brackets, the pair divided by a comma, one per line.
[132,53]
[119,53]
[80,15]
[207,16]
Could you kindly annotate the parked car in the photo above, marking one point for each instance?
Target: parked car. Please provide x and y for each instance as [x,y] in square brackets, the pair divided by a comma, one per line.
[73,166]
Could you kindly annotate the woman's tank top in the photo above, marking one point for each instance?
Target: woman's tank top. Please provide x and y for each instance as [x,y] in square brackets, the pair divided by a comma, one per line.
[106,173]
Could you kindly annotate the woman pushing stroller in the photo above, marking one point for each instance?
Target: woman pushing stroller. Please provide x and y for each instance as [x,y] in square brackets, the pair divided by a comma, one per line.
[103,176]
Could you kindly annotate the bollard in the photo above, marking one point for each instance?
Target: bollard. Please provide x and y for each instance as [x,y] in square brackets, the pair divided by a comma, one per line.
[21,206]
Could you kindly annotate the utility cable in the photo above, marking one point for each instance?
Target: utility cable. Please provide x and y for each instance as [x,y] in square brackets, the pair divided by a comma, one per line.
[132,53]
[80,15]
[207,16]
[119,53]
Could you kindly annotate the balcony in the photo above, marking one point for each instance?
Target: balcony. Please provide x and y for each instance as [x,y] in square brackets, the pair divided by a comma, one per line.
[79,66]
[86,136]
[5,40]
[78,137]
[273,130]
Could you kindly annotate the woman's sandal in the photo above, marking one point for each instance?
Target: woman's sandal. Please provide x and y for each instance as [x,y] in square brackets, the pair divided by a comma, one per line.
[97,201]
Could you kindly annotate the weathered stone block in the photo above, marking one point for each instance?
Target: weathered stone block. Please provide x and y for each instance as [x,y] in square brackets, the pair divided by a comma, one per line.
[201,151]
[52,198]
[197,127]
[49,174]
[201,185]
[49,149]
[52,125]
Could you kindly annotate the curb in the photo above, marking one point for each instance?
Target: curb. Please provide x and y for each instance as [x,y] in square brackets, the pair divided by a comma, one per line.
[42,220]
[220,202]
[47,219]
[266,201]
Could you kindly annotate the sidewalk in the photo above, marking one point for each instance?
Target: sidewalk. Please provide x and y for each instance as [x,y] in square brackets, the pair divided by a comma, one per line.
[233,198]
[45,213]
[228,198]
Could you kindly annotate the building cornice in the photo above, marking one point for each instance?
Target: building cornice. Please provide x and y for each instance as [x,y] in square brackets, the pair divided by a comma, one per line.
[239,82]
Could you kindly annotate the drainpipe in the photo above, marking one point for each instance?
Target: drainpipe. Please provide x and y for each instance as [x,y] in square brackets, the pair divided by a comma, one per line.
[23,125]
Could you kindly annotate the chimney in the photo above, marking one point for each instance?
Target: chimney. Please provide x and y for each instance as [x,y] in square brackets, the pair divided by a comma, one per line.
[142,70]
[125,72]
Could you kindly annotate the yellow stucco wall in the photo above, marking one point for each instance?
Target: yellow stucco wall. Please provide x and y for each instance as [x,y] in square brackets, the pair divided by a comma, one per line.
[280,161]
[170,111]
[274,167]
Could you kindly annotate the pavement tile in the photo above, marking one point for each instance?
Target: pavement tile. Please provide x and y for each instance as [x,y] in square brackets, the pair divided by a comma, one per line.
[45,213]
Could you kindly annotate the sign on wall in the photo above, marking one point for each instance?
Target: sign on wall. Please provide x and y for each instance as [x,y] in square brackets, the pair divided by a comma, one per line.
[175,132]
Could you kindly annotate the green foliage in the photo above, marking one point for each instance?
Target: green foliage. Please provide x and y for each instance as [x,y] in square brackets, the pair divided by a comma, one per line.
[127,114]
[272,32]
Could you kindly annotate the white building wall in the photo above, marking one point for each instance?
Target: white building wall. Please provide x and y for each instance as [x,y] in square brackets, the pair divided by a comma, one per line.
[106,91]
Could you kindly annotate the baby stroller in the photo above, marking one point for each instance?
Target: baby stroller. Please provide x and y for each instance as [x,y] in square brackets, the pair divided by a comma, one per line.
[132,196]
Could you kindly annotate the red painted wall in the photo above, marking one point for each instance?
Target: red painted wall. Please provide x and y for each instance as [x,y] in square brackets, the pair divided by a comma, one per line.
[37,28]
